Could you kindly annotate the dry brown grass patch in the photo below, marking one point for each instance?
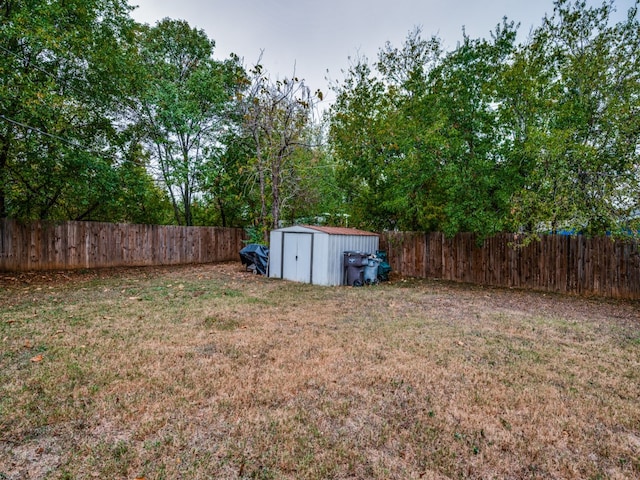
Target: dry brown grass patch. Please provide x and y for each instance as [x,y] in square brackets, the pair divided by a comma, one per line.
[208,372]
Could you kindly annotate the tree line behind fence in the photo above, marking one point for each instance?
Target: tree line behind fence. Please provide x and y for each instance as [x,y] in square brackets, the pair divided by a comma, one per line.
[557,263]
[567,264]
[72,245]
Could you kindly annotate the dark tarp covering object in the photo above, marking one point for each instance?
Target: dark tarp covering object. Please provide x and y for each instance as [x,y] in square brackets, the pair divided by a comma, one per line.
[255,257]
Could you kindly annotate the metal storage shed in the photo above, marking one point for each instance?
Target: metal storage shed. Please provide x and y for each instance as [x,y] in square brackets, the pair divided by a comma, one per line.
[311,254]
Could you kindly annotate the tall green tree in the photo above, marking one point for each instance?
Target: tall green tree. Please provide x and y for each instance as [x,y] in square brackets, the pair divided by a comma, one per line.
[413,158]
[66,73]
[475,175]
[186,108]
[419,141]
[360,141]
[226,200]
[582,140]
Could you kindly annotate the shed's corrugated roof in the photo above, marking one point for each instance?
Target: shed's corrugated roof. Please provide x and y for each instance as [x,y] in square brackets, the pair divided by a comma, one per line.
[340,230]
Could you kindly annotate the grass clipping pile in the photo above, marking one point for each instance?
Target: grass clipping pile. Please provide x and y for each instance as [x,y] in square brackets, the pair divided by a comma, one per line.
[210,372]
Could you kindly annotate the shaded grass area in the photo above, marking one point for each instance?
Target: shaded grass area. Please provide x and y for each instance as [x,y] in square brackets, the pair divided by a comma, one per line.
[208,372]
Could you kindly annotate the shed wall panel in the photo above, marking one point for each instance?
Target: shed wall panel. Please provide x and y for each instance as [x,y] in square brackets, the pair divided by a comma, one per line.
[275,254]
[338,244]
[320,265]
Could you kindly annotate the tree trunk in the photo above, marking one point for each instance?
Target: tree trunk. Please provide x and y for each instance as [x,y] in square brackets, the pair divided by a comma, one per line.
[223,217]
[263,185]
[275,196]
[4,160]
[186,203]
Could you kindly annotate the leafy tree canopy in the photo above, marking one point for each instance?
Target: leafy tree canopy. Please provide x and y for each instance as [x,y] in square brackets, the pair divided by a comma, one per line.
[186,109]
[67,71]
[497,136]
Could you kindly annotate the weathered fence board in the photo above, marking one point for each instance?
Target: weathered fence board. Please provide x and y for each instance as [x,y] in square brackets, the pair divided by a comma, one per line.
[71,245]
[568,264]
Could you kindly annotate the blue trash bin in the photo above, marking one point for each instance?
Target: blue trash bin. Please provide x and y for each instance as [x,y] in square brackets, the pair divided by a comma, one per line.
[371,270]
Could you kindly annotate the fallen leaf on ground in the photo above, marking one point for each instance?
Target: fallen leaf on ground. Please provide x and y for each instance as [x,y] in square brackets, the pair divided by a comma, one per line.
[37,358]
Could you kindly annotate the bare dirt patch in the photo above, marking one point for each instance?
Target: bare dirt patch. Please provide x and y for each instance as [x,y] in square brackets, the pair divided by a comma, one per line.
[211,372]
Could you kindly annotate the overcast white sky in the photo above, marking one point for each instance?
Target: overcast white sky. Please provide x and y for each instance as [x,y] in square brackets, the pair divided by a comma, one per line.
[317,38]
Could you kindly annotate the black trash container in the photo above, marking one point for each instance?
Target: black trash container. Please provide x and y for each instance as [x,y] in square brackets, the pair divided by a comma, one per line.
[354,263]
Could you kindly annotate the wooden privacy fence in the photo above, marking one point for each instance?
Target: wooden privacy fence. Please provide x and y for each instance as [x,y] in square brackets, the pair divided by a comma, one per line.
[568,264]
[71,245]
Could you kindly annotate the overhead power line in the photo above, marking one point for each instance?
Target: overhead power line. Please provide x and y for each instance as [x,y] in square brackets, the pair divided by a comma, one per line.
[31,64]
[73,144]
[60,81]
[41,132]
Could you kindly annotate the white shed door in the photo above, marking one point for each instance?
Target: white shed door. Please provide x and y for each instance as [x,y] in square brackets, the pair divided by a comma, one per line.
[297,257]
